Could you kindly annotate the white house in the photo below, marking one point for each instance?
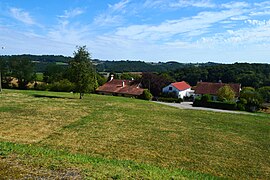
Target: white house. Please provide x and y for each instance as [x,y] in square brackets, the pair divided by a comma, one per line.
[181,89]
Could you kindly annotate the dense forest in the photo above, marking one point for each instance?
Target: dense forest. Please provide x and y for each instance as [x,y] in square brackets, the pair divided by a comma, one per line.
[254,75]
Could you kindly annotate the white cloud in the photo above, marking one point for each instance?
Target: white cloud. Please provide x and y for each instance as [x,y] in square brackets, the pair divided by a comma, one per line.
[72,33]
[113,16]
[22,16]
[108,20]
[67,30]
[260,13]
[247,36]
[27,43]
[154,3]
[257,22]
[265,4]
[72,13]
[120,6]
[235,5]
[195,25]
[178,3]
[194,3]
[239,18]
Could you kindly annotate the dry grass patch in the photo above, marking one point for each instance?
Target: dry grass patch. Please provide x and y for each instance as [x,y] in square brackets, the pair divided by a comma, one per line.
[32,119]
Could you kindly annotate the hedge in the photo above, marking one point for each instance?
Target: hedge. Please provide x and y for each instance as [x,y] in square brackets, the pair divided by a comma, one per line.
[215,104]
[170,100]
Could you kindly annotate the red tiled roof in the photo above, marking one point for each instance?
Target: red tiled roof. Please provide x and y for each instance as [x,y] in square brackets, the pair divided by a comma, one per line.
[181,85]
[212,88]
[116,86]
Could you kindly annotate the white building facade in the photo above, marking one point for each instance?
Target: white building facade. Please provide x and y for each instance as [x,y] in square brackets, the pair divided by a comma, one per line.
[181,89]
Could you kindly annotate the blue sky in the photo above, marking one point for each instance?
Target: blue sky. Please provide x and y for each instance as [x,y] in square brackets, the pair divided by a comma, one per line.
[150,30]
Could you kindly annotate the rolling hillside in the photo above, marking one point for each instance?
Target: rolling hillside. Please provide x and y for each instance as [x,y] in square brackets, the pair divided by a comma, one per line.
[56,135]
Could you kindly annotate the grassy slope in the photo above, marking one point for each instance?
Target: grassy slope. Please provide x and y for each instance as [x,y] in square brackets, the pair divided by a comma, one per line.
[120,131]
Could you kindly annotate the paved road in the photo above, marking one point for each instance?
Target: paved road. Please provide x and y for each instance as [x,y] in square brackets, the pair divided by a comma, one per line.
[188,105]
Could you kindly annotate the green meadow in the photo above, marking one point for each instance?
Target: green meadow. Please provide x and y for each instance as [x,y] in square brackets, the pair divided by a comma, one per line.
[57,135]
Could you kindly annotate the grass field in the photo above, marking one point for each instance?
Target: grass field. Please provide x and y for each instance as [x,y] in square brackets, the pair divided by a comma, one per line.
[47,134]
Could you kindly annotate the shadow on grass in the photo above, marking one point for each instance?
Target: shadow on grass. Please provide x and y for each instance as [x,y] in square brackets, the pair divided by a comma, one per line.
[49,96]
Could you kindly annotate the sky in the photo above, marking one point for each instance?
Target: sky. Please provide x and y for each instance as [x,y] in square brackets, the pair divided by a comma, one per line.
[187,31]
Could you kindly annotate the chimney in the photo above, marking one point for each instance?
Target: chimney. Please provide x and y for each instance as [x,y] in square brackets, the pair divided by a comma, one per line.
[123,83]
[219,81]
[111,77]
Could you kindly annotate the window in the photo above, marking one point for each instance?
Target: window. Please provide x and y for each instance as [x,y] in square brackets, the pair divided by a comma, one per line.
[170,88]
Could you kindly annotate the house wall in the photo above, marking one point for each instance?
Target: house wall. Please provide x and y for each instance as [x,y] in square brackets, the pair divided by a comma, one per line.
[180,94]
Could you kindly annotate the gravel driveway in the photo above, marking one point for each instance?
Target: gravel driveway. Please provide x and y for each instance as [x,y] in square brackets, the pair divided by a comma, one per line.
[188,105]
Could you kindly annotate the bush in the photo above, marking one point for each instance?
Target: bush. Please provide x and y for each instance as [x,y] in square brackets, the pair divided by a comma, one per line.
[241,104]
[146,95]
[62,86]
[215,104]
[170,100]
[265,93]
[253,100]
[169,95]
[206,97]
[41,86]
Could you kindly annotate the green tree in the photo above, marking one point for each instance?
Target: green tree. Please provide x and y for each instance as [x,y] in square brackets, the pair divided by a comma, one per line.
[23,70]
[129,76]
[253,100]
[265,93]
[53,73]
[146,95]
[226,93]
[247,89]
[82,72]
[154,82]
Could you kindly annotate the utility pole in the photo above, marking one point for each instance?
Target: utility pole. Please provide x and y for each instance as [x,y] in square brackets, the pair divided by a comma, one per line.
[0,74]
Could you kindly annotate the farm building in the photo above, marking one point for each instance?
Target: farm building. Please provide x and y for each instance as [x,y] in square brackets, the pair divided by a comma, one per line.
[118,87]
[181,89]
[212,88]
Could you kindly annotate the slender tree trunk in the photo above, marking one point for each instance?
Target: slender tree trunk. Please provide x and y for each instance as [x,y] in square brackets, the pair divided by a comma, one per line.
[81,95]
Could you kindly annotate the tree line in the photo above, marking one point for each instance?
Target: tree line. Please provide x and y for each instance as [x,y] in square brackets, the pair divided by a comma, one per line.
[251,75]
[79,75]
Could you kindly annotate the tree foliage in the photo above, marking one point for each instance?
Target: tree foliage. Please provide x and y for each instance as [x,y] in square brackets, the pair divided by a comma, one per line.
[251,99]
[23,70]
[146,95]
[82,72]
[265,93]
[253,75]
[154,82]
[226,93]
[54,73]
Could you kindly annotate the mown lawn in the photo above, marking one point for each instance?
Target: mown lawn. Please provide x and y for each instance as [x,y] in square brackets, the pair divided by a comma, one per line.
[47,134]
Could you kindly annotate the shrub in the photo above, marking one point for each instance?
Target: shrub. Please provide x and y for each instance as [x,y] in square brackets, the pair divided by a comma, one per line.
[215,104]
[206,97]
[41,86]
[265,93]
[146,95]
[170,100]
[169,95]
[62,86]
[241,104]
[222,105]
[253,100]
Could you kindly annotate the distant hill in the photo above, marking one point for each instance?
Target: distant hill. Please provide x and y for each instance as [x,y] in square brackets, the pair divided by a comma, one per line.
[104,65]
[137,66]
